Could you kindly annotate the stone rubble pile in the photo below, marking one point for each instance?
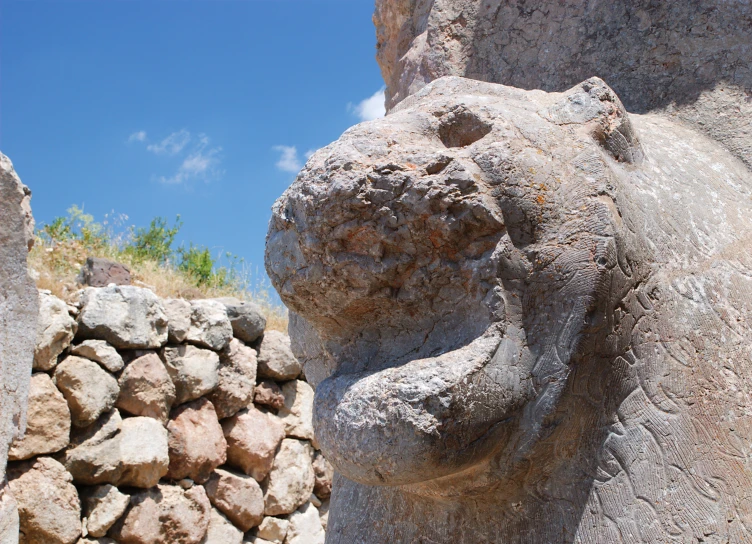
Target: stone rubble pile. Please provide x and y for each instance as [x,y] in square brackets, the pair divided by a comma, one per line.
[156,421]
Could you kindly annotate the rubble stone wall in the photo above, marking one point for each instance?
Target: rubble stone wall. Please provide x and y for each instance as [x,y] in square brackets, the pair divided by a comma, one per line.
[166,421]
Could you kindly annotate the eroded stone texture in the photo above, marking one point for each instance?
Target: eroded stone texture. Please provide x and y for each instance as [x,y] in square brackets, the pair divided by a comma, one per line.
[687,59]
[146,388]
[273,529]
[55,330]
[101,352]
[102,507]
[89,389]
[194,371]
[246,319]
[210,326]
[165,514]
[48,505]
[268,393]
[125,316]
[221,531]
[305,526]
[275,358]
[48,421]
[324,473]
[291,478]
[252,440]
[237,378]
[99,272]
[178,312]
[238,496]
[19,305]
[530,316]
[297,411]
[197,445]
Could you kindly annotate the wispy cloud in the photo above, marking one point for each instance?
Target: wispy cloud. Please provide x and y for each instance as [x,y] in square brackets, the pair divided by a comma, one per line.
[288,158]
[198,159]
[370,108]
[172,145]
[201,163]
[139,136]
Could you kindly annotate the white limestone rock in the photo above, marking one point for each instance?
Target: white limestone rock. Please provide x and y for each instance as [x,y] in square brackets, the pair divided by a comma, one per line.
[305,526]
[275,358]
[238,496]
[127,317]
[89,389]
[194,371]
[291,479]
[55,331]
[248,323]
[221,531]
[237,379]
[210,326]
[297,413]
[101,352]
[102,506]
[178,312]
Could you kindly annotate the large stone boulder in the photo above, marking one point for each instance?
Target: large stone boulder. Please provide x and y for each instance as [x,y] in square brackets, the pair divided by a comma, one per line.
[55,330]
[48,421]
[125,316]
[291,478]
[165,514]
[297,411]
[275,358]
[248,323]
[19,299]
[210,327]
[146,388]
[237,496]
[524,304]
[252,440]
[101,352]
[89,389]
[553,46]
[194,371]
[178,312]
[48,504]
[237,378]
[130,452]
[196,443]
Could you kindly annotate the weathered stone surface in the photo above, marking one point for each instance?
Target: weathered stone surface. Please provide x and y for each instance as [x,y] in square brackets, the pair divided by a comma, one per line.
[48,505]
[324,513]
[146,388]
[102,507]
[297,412]
[291,478]
[210,326]
[555,46]
[221,531]
[238,496]
[165,514]
[194,371]
[92,540]
[55,330]
[48,421]
[89,390]
[247,322]
[9,522]
[130,452]
[519,297]
[20,299]
[99,272]
[268,393]
[273,529]
[324,473]
[305,526]
[237,378]
[197,445]
[252,440]
[275,358]
[125,316]
[101,352]
[178,312]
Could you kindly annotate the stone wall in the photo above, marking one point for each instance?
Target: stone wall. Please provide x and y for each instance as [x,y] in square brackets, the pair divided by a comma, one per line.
[166,421]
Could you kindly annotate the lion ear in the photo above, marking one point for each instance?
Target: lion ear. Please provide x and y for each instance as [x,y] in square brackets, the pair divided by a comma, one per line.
[595,105]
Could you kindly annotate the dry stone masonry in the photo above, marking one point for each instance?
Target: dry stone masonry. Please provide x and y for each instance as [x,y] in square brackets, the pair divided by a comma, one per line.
[145,426]
[527,314]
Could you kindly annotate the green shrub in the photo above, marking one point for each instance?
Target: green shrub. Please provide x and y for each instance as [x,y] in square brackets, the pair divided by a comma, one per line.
[153,243]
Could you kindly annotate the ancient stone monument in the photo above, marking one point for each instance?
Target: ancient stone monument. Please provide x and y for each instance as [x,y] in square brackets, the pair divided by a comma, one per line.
[528,313]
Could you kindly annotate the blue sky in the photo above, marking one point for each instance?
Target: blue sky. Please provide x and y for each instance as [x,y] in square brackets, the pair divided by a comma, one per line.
[201,108]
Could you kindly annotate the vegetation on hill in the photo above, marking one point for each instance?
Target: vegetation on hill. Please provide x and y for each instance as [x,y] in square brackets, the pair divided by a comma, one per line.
[63,245]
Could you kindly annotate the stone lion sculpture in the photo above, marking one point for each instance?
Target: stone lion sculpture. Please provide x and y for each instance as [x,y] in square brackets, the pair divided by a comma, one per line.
[528,318]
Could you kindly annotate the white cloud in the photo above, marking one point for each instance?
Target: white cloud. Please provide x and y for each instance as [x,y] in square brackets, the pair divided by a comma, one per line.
[288,159]
[172,145]
[201,163]
[371,107]
[139,136]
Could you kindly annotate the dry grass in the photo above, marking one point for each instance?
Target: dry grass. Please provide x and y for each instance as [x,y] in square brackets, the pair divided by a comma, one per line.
[57,265]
